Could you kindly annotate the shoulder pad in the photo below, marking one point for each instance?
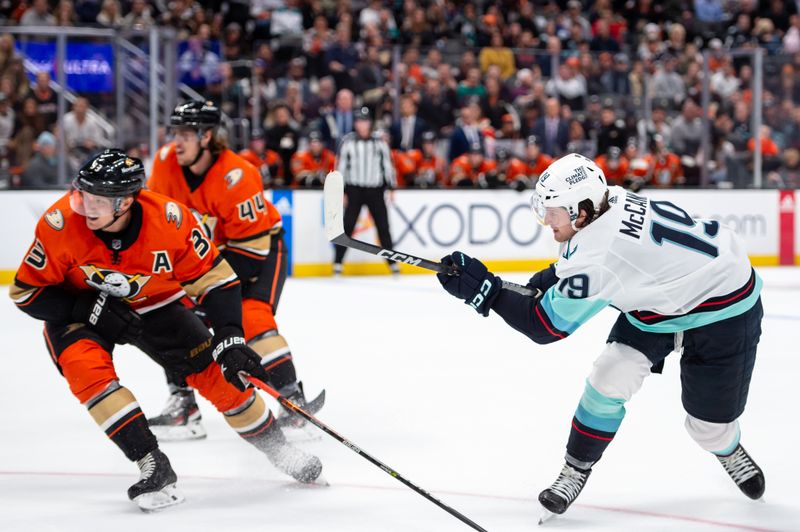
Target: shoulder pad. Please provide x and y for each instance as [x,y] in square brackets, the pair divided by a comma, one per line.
[55,219]
[173,214]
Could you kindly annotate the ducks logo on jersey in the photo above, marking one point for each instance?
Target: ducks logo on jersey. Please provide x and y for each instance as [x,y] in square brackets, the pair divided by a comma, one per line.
[115,283]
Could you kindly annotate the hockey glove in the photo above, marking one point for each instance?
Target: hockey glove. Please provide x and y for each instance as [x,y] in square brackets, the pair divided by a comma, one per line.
[236,359]
[544,279]
[112,319]
[474,283]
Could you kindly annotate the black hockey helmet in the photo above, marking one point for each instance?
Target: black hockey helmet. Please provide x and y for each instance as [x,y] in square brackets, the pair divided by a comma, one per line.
[111,173]
[196,114]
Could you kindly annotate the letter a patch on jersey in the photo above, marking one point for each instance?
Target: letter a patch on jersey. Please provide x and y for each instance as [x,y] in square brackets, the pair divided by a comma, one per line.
[161,263]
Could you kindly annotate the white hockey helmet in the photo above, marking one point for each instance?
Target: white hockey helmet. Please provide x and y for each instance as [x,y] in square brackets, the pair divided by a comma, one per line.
[567,182]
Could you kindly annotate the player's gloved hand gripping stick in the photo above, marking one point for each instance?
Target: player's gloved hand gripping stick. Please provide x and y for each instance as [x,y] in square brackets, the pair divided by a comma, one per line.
[334,230]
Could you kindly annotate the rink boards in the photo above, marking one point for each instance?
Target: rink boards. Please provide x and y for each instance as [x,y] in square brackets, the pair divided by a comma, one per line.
[496,226]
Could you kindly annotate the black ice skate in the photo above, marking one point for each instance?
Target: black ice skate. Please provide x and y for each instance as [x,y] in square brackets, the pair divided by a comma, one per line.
[301,466]
[744,472]
[155,489]
[564,490]
[294,392]
[180,419]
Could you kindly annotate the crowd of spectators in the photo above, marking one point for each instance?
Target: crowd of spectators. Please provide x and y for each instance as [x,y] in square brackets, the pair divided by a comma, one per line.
[464,91]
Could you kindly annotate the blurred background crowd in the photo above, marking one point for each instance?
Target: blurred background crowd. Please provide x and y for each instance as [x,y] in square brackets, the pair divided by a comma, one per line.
[468,94]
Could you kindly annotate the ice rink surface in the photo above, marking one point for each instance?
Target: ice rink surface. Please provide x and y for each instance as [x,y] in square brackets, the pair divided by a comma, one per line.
[461,405]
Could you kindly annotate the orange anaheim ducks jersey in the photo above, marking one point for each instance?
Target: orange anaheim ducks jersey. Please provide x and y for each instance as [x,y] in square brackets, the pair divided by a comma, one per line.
[433,166]
[270,166]
[404,167]
[614,176]
[518,168]
[160,257]
[229,202]
[665,171]
[462,167]
[304,164]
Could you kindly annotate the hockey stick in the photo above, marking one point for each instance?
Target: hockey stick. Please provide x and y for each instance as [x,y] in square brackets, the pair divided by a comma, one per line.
[333,434]
[334,230]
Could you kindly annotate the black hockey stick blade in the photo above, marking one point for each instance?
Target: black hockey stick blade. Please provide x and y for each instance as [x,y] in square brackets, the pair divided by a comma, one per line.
[287,404]
[334,230]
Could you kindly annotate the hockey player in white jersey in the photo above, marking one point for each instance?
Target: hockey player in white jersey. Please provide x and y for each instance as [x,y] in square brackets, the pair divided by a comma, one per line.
[680,284]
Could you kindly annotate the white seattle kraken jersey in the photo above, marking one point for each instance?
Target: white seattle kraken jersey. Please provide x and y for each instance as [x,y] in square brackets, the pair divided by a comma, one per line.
[651,260]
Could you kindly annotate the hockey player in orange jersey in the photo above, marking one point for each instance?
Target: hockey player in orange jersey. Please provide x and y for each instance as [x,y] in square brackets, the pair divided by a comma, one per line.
[310,166]
[268,162]
[524,174]
[429,168]
[473,170]
[225,193]
[108,265]
[666,170]
[614,166]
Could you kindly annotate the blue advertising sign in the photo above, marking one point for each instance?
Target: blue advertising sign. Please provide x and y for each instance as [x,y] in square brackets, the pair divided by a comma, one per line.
[89,67]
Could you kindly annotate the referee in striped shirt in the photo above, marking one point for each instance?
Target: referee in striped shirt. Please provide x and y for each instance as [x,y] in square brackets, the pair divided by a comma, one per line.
[365,162]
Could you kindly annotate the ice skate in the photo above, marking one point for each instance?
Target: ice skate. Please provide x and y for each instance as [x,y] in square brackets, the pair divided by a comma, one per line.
[156,488]
[558,497]
[744,472]
[294,392]
[299,465]
[180,420]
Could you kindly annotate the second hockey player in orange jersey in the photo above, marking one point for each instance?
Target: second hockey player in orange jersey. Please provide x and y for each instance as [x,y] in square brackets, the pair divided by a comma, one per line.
[226,194]
[108,266]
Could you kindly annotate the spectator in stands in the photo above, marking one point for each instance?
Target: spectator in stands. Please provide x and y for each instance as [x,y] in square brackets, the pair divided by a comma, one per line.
[467,132]
[339,122]
[15,82]
[724,82]
[656,125]
[29,124]
[268,162]
[438,105]
[342,58]
[296,73]
[6,130]
[602,40]
[687,130]
[198,65]
[493,104]
[8,52]
[82,133]
[551,130]
[310,166]
[568,85]
[110,15]
[315,41]
[65,14]
[498,54]
[322,102]
[38,15]
[471,85]
[668,84]
[42,170]
[371,76]
[407,132]
[139,17]
[787,175]
[46,98]
[612,128]
[282,135]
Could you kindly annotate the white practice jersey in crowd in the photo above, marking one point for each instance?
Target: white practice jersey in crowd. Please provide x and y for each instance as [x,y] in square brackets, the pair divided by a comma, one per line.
[651,260]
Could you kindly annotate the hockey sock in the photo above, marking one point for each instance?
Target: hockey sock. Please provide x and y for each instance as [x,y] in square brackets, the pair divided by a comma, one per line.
[594,425]
[116,411]
[255,423]
[276,358]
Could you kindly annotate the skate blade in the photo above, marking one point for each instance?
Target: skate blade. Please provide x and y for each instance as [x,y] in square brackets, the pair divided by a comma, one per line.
[545,516]
[192,431]
[159,500]
[318,483]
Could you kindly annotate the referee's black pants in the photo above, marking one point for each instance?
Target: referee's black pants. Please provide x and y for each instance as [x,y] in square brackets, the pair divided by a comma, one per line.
[372,197]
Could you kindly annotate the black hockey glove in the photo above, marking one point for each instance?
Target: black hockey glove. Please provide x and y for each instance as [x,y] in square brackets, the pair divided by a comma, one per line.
[236,358]
[108,316]
[474,283]
[544,279]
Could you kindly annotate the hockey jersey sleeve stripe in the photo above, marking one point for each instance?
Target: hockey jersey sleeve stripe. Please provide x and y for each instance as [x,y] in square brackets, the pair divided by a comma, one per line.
[567,314]
[23,296]
[257,245]
[523,314]
[219,275]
